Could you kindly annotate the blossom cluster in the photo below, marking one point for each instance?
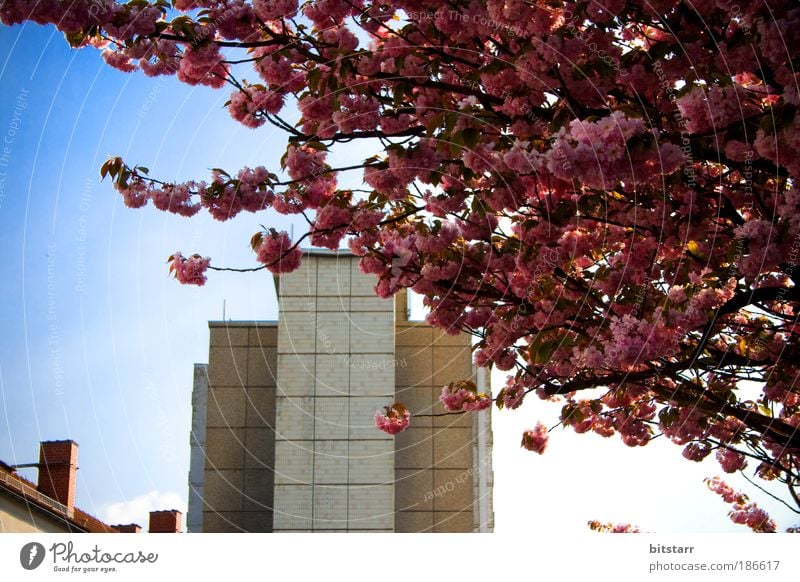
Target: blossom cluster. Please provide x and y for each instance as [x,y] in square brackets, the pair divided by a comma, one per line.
[223,197]
[394,419]
[249,105]
[602,527]
[189,270]
[535,439]
[601,154]
[275,250]
[462,396]
[744,512]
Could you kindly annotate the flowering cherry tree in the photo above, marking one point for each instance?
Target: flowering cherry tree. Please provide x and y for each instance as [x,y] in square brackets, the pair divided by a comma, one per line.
[603,192]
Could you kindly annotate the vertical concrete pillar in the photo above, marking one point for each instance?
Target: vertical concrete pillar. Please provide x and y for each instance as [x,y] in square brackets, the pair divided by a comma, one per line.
[333,470]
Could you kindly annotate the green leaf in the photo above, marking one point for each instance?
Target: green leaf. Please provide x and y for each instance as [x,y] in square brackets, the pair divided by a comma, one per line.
[561,118]
[545,351]
[471,136]
[450,121]
[75,39]
[434,123]
[111,167]
[668,416]
[183,25]
[400,91]
[456,143]
[316,145]
[313,78]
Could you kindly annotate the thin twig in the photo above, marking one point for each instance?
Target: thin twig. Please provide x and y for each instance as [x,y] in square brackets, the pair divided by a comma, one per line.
[776,498]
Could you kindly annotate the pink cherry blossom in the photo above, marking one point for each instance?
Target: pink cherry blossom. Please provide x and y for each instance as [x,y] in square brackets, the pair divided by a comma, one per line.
[714,109]
[696,451]
[304,162]
[464,396]
[394,419]
[753,517]
[512,395]
[535,439]
[189,271]
[725,491]
[119,60]
[135,194]
[730,461]
[278,253]
[481,402]
[598,526]
[743,511]
[249,105]
[275,9]
[331,225]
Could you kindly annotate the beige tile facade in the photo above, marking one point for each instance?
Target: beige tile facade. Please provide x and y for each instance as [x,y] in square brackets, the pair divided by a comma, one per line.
[290,442]
[443,478]
[239,448]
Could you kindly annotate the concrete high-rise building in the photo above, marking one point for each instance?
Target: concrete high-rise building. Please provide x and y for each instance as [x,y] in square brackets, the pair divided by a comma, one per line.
[283,435]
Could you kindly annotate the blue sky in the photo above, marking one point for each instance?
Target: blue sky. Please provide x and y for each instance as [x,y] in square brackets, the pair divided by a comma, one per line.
[98,343]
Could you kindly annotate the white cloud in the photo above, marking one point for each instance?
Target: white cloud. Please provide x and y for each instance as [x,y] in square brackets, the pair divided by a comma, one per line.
[138,509]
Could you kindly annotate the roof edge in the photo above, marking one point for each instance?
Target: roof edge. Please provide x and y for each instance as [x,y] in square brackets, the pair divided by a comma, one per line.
[244,323]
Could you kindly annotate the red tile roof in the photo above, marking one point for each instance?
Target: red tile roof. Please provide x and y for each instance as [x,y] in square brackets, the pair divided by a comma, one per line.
[14,484]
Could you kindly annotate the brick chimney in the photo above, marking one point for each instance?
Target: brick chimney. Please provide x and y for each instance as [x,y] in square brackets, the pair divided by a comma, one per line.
[58,469]
[167,521]
[128,528]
